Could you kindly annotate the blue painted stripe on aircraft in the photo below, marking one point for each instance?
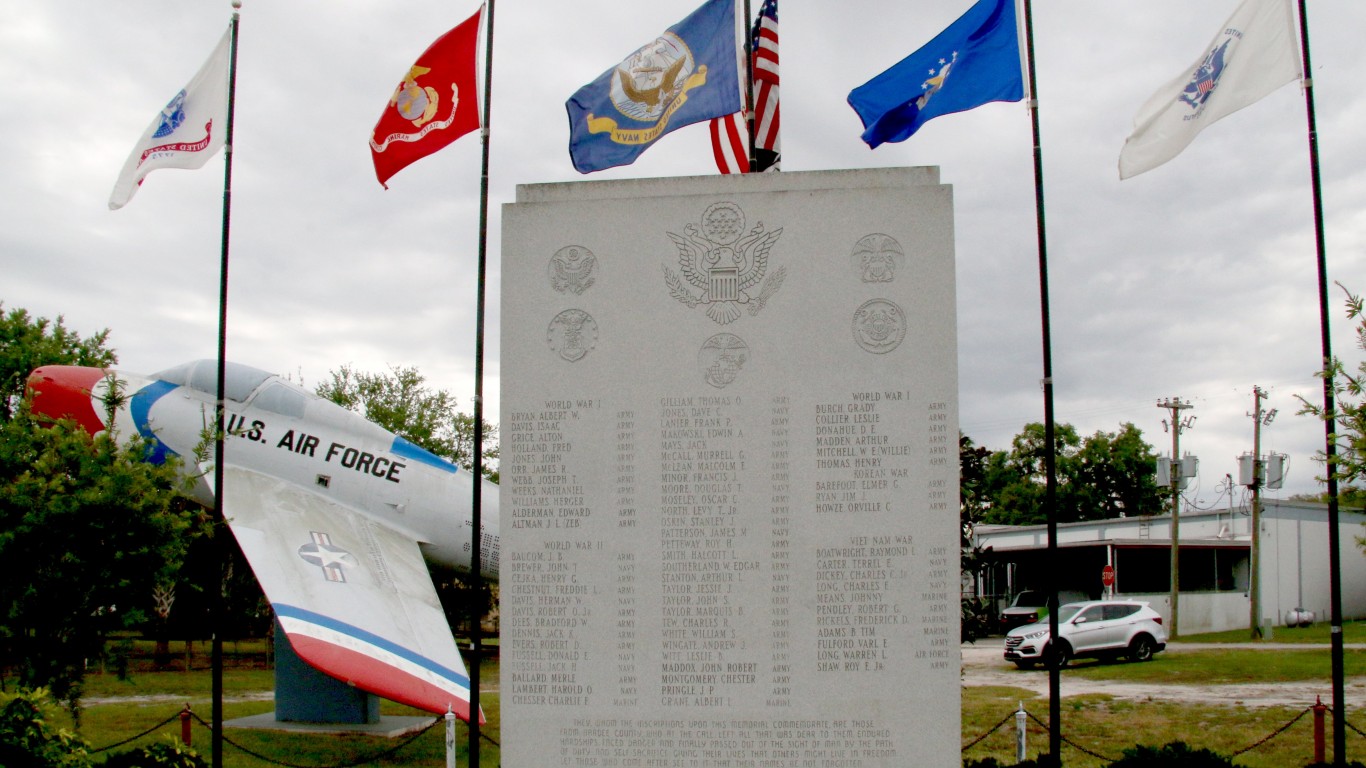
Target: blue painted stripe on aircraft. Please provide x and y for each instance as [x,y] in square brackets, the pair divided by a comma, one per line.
[410,450]
[141,408]
[327,622]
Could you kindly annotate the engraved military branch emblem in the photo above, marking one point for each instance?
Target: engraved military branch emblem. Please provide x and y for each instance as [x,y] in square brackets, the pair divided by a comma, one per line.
[728,265]
[572,334]
[573,269]
[877,257]
[721,358]
[879,326]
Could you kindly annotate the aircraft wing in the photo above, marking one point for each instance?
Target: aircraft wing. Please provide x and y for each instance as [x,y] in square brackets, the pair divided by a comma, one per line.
[354,596]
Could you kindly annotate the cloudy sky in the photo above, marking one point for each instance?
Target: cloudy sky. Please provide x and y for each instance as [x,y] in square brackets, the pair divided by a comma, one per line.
[1195,280]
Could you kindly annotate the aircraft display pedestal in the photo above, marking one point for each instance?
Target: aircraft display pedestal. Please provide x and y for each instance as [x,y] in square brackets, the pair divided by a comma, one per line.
[308,701]
[303,694]
[729,497]
[388,726]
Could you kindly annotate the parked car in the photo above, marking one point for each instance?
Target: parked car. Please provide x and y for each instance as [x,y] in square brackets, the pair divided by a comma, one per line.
[1031,605]
[1102,629]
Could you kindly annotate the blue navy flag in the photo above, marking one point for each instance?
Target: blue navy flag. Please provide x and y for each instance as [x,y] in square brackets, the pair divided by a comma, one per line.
[974,61]
[686,75]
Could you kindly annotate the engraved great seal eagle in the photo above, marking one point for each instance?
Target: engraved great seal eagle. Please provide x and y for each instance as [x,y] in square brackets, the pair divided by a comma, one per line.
[726,263]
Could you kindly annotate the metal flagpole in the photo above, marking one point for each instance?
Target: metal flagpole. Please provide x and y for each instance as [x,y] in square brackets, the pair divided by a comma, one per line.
[1050,459]
[1330,444]
[476,533]
[220,529]
[749,85]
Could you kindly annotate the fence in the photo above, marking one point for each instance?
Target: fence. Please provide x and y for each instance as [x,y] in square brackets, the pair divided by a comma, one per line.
[1021,718]
[187,717]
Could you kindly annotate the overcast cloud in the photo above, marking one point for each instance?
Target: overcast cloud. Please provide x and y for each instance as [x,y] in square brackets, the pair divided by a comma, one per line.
[1195,280]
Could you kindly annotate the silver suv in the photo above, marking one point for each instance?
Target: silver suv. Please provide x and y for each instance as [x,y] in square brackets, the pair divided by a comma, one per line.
[1094,629]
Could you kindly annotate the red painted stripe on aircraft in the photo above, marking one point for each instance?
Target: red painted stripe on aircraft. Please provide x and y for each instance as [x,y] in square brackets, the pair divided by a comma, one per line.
[372,675]
[63,391]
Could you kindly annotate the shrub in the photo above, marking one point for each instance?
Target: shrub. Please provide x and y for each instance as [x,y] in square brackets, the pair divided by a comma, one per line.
[1173,755]
[991,762]
[29,738]
[162,754]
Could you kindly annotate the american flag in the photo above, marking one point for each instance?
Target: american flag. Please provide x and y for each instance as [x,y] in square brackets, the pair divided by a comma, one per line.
[730,134]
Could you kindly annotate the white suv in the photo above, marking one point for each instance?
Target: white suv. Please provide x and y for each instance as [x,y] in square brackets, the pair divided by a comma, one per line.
[1094,629]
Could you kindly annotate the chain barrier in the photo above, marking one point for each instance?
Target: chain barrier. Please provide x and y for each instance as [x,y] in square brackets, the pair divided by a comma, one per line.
[352,764]
[1099,756]
[1071,743]
[1274,733]
[130,739]
[1345,722]
[393,750]
[992,730]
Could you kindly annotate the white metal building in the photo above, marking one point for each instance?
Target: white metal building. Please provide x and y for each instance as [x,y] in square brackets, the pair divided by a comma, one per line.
[1214,551]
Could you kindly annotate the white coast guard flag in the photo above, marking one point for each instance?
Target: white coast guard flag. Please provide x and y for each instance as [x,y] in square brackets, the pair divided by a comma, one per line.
[187,132]
[1254,53]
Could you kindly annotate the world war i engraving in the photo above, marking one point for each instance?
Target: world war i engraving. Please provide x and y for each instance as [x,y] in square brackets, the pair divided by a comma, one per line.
[729,469]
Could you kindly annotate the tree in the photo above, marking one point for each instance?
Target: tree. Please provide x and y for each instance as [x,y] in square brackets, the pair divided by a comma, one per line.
[1108,474]
[976,614]
[87,528]
[401,402]
[1114,475]
[87,531]
[1349,413]
[26,343]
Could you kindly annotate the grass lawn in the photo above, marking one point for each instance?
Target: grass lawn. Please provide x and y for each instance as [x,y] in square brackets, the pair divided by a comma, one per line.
[1352,632]
[1106,726]
[107,723]
[1226,665]
[1098,723]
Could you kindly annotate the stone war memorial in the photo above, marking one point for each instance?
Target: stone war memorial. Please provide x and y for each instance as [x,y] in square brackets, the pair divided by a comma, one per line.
[730,472]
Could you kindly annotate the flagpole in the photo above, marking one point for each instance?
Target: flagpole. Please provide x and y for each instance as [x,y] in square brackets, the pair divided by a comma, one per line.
[476,533]
[749,85]
[220,532]
[1050,459]
[1330,419]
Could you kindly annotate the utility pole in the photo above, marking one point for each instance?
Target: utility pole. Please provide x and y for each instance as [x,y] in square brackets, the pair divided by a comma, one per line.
[1259,418]
[1176,425]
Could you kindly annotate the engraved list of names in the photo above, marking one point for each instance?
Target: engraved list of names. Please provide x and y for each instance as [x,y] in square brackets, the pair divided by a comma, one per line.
[729,470]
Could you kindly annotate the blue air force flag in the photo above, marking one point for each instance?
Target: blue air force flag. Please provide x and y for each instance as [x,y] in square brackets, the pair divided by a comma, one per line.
[974,61]
[687,75]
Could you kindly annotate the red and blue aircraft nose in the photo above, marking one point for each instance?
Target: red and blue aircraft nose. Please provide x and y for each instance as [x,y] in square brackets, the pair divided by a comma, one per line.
[64,392]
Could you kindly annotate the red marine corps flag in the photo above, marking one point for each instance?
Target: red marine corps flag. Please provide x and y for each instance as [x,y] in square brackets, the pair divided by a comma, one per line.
[436,103]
